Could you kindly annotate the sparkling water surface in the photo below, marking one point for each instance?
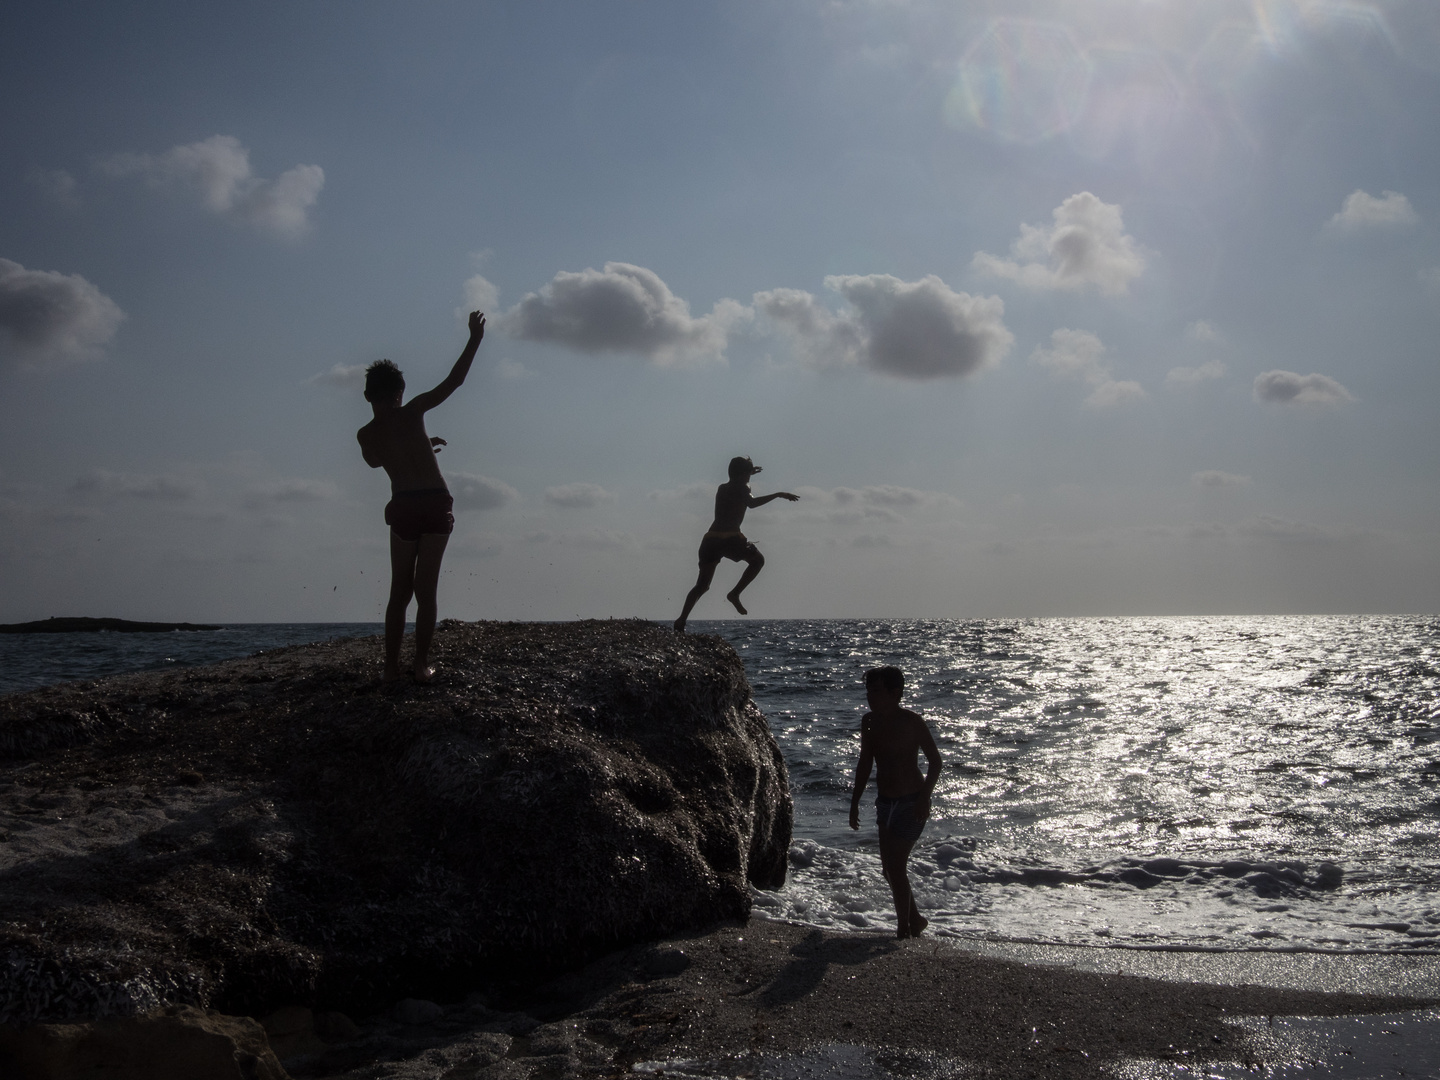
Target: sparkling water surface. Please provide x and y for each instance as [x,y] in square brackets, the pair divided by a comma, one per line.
[1218,783]
[1224,783]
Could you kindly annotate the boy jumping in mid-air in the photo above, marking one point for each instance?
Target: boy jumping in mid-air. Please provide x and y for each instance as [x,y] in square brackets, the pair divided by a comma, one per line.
[726,541]
[419,509]
[890,737]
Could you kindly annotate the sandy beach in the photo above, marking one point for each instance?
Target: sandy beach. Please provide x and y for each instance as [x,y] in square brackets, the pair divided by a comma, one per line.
[745,1000]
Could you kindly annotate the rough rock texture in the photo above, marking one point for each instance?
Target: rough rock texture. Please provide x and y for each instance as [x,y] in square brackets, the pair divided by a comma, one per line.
[286,830]
[179,1043]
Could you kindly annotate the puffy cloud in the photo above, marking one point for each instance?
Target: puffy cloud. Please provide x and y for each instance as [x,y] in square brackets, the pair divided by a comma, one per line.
[1214,478]
[910,329]
[1087,245]
[290,490]
[1290,388]
[104,483]
[48,318]
[218,169]
[578,496]
[340,376]
[1362,211]
[480,295]
[473,492]
[622,308]
[1079,354]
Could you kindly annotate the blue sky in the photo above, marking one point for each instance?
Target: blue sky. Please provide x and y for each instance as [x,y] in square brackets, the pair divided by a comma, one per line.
[1083,308]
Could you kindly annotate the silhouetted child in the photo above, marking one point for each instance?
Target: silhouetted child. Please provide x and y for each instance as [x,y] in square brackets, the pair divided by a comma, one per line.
[419,511]
[726,541]
[890,738]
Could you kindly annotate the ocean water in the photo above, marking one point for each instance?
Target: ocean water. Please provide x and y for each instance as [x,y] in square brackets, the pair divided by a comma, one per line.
[1221,783]
[1217,783]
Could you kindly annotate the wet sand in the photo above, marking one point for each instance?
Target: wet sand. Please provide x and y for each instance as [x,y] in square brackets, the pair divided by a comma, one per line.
[748,1000]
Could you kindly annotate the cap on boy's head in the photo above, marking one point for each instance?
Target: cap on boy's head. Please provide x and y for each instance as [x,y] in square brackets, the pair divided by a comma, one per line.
[741,468]
[383,381]
[885,678]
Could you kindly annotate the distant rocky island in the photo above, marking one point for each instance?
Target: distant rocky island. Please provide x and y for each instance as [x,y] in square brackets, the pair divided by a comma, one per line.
[94,626]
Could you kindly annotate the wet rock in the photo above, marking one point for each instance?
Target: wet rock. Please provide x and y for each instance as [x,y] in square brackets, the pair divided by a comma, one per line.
[287,829]
[336,1027]
[292,1034]
[180,1043]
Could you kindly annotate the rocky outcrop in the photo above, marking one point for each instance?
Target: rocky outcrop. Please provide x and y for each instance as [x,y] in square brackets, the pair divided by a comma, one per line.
[287,830]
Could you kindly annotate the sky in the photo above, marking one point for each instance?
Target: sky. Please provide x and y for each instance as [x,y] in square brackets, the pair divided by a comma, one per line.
[1042,307]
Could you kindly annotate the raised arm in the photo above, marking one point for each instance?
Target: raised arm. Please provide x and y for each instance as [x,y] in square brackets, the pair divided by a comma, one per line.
[761,500]
[862,770]
[430,398]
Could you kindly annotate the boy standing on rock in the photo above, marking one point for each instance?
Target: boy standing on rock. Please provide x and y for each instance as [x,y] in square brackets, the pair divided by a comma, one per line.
[419,511]
[890,737]
[726,541]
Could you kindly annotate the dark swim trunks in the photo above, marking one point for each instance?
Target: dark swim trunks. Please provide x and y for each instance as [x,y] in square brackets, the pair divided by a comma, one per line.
[725,545]
[898,815]
[411,513]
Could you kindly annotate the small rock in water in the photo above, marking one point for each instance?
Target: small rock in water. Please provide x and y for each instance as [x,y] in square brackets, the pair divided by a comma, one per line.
[336,1027]
[417,1011]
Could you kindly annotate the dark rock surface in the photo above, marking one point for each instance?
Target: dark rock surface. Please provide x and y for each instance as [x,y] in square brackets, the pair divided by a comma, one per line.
[286,830]
[94,626]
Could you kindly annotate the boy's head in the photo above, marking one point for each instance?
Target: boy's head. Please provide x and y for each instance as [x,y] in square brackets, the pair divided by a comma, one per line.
[741,469]
[888,682]
[383,381]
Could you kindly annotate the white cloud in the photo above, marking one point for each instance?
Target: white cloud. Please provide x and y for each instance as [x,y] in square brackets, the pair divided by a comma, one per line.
[1079,354]
[57,186]
[577,496]
[622,308]
[104,483]
[1214,478]
[480,295]
[218,170]
[472,492]
[49,318]
[1086,246]
[910,329]
[1362,211]
[1290,388]
[340,376]
[1189,376]
[597,539]
[290,490]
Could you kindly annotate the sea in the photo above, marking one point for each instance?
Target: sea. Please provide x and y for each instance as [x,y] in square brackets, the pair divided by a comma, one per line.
[1243,784]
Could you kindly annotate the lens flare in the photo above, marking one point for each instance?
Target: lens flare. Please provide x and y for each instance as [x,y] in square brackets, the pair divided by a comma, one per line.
[1021,79]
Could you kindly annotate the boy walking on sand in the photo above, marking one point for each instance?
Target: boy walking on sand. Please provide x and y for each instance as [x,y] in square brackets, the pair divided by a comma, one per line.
[726,541]
[419,511]
[890,737]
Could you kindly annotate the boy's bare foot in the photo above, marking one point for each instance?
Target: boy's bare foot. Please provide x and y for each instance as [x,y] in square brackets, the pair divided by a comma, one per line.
[679,626]
[734,598]
[392,675]
[424,674]
[918,925]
